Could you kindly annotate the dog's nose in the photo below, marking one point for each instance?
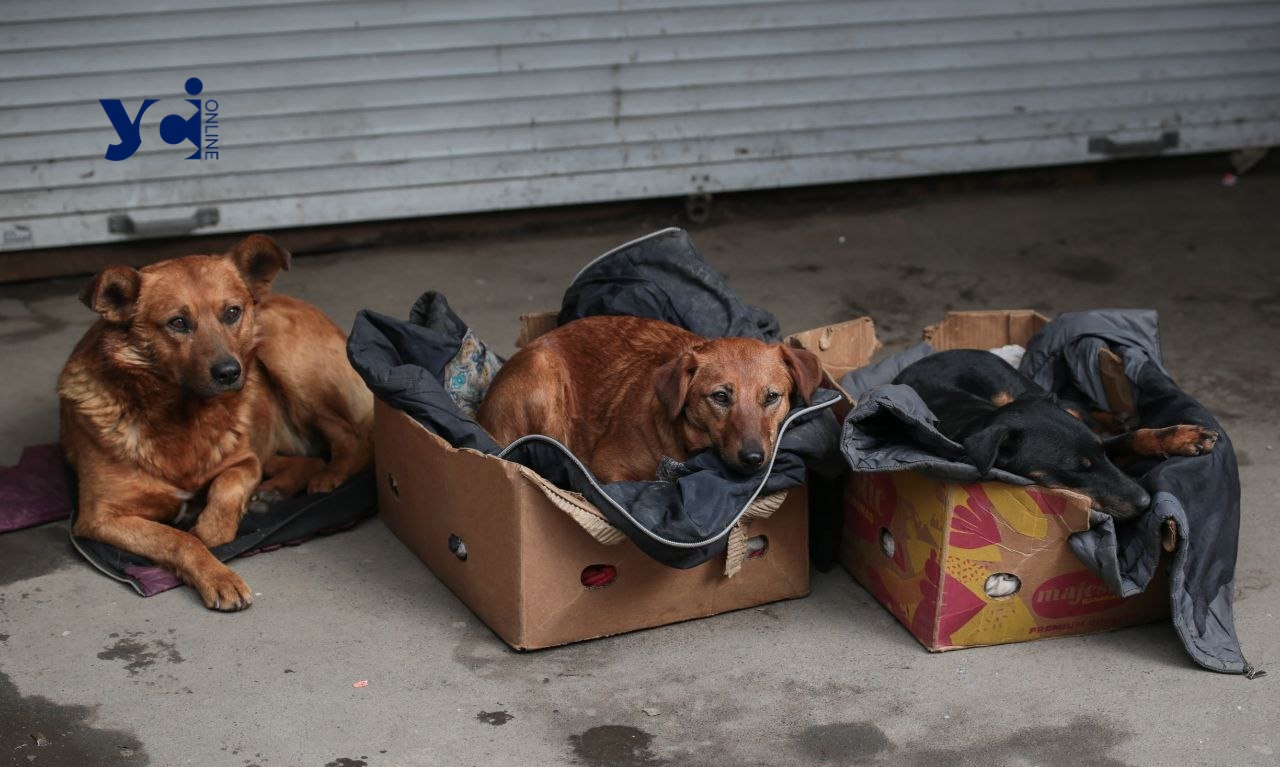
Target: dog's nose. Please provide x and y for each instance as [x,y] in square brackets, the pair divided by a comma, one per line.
[225,372]
[751,457]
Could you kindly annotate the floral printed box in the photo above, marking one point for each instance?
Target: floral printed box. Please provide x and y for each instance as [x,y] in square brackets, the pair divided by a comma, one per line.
[962,565]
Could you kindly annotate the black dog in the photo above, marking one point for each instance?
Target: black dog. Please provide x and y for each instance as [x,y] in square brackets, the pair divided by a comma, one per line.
[1004,419]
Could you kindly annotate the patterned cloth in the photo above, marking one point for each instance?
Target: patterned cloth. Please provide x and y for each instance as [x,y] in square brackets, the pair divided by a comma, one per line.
[469,373]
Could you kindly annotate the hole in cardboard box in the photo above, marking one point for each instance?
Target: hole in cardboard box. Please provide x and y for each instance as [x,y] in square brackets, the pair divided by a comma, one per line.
[757,545]
[395,487]
[1002,585]
[598,576]
[887,545]
[458,547]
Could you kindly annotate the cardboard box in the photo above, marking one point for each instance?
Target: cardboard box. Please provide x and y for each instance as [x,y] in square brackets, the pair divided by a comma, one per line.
[968,564]
[843,347]
[506,542]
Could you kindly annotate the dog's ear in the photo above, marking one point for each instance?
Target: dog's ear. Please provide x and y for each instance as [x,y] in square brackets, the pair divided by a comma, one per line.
[113,293]
[806,371]
[259,260]
[983,447]
[671,382]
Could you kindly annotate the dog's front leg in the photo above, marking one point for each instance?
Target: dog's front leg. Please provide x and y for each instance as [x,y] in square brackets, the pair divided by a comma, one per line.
[179,552]
[1184,439]
[228,497]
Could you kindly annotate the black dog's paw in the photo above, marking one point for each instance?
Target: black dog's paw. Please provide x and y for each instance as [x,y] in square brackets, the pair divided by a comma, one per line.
[1192,440]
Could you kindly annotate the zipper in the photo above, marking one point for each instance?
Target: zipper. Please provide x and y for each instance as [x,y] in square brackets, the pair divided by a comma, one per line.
[791,417]
[623,246]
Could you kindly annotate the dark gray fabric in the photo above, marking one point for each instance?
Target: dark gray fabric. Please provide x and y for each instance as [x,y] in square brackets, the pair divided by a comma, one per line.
[403,363]
[1201,494]
[858,382]
[1063,358]
[682,523]
[891,429]
[663,276]
[286,522]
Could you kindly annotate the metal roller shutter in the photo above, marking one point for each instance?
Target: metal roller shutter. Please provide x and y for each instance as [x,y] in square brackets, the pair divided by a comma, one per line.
[339,110]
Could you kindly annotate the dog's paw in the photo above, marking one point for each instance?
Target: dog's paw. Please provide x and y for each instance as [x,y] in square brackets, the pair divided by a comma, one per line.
[221,589]
[1192,440]
[262,501]
[213,533]
[324,482]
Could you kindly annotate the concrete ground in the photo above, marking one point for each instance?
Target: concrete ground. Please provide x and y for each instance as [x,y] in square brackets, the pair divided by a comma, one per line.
[109,678]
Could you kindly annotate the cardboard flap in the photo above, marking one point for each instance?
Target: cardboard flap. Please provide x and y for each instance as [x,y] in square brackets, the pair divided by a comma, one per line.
[578,508]
[984,330]
[536,324]
[1116,384]
[736,548]
[841,347]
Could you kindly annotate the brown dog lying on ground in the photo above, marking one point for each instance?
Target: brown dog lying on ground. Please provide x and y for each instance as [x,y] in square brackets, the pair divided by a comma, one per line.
[197,379]
[622,392]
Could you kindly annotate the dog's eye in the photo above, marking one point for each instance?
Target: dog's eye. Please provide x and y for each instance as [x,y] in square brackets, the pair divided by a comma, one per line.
[720,397]
[231,314]
[771,397]
[1085,464]
[179,325]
